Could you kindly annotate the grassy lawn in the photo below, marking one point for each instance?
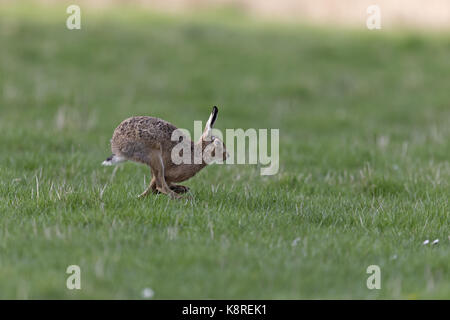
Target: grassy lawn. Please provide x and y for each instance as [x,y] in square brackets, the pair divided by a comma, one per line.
[364,121]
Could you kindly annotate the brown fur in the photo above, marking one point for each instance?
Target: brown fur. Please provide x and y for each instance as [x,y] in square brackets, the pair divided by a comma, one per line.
[147,140]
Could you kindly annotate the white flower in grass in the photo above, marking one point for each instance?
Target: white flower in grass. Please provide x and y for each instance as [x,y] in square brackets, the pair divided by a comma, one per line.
[148,293]
[294,243]
[435,241]
[426,242]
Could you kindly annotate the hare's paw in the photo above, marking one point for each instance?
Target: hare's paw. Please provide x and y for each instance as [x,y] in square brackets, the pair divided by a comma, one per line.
[179,188]
[149,191]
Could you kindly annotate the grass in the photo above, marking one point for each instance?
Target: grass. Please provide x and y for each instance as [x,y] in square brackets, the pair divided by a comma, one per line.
[364,121]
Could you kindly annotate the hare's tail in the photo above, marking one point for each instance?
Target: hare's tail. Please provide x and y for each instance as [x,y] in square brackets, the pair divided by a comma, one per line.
[113,160]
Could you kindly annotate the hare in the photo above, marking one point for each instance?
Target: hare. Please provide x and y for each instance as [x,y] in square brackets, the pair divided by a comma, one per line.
[148,140]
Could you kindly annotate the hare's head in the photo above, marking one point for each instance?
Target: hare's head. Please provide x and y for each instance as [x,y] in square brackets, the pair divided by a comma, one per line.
[210,144]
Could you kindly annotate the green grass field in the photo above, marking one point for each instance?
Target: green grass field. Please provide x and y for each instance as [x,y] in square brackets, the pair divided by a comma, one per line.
[364,121]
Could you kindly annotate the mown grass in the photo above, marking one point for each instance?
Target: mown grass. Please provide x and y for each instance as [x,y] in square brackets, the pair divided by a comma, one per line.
[364,121]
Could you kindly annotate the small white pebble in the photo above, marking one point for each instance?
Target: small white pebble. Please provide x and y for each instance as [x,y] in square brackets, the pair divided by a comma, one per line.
[426,242]
[435,241]
[148,293]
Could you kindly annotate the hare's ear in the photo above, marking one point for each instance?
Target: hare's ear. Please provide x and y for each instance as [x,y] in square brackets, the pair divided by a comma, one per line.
[210,122]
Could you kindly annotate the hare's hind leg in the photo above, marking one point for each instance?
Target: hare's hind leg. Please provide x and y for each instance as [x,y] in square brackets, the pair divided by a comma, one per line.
[158,182]
[161,183]
[151,187]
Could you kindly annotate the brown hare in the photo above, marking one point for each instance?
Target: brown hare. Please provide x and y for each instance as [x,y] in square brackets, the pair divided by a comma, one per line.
[148,140]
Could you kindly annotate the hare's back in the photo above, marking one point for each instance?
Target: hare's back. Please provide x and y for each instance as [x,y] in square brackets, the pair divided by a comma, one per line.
[137,133]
